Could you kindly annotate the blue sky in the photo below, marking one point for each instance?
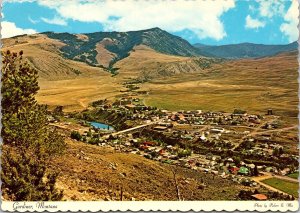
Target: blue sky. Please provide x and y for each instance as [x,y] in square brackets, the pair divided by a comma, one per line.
[208,22]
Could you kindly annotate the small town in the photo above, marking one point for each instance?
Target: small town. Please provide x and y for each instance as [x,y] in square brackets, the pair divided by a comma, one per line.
[165,105]
[238,146]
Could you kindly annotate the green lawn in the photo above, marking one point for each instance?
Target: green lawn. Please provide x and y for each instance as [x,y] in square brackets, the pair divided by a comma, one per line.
[294,175]
[283,185]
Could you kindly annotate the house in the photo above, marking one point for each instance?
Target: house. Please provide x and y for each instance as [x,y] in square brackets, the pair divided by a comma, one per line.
[162,151]
[160,128]
[149,143]
[253,120]
[170,147]
[165,124]
[285,171]
[234,170]
[217,130]
[50,118]
[243,171]
[130,106]
[269,169]
[198,111]
[203,138]
[259,197]
[229,160]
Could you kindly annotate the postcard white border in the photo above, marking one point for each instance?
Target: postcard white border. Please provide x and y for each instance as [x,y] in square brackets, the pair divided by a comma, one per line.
[93,206]
[105,206]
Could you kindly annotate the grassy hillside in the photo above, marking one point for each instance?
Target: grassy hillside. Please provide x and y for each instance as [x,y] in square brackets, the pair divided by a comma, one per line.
[90,172]
[66,82]
[174,82]
[145,63]
[44,54]
[250,84]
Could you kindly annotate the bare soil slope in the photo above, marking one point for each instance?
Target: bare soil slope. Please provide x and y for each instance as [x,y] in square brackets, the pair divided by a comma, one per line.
[90,172]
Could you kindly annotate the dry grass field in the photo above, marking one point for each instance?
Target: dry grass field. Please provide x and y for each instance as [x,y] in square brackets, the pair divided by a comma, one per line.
[76,94]
[176,82]
[69,83]
[252,85]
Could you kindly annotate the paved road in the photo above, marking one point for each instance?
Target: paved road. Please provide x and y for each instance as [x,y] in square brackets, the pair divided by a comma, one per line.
[134,128]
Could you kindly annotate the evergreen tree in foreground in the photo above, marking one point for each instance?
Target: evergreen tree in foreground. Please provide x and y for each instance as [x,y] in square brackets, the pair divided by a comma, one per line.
[28,143]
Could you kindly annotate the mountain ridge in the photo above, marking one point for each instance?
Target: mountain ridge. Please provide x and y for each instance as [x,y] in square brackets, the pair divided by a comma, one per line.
[120,44]
[104,49]
[246,49]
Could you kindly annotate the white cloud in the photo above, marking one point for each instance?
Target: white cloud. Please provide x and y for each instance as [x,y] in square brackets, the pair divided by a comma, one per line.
[32,20]
[9,29]
[56,20]
[270,8]
[251,8]
[289,28]
[201,17]
[252,23]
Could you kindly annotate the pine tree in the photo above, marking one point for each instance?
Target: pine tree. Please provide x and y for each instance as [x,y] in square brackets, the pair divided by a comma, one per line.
[28,143]
[255,172]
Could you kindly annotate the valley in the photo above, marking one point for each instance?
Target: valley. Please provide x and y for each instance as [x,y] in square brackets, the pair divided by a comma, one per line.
[252,85]
[179,113]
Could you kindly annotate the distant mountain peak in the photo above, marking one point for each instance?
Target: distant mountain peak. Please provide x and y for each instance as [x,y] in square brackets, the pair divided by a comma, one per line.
[246,50]
[154,29]
[91,49]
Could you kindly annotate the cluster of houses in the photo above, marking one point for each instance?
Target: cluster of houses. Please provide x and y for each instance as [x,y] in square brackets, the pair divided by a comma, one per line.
[239,172]
[226,168]
[205,129]
[197,117]
[137,110]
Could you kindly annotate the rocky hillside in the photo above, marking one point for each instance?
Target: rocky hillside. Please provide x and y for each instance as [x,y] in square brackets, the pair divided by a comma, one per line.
[105,48]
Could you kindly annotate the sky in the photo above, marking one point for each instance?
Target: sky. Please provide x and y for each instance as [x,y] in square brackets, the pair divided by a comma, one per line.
[211,22]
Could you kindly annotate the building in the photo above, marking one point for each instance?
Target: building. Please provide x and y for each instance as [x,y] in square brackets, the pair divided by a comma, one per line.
[217,130]
[160,128]
[243,171]
[259,197]
[270,112]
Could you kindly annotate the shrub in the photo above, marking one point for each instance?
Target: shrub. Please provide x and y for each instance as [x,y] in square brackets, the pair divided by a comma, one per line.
[184,153]
[76,135]
[239,111]
[93,141]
